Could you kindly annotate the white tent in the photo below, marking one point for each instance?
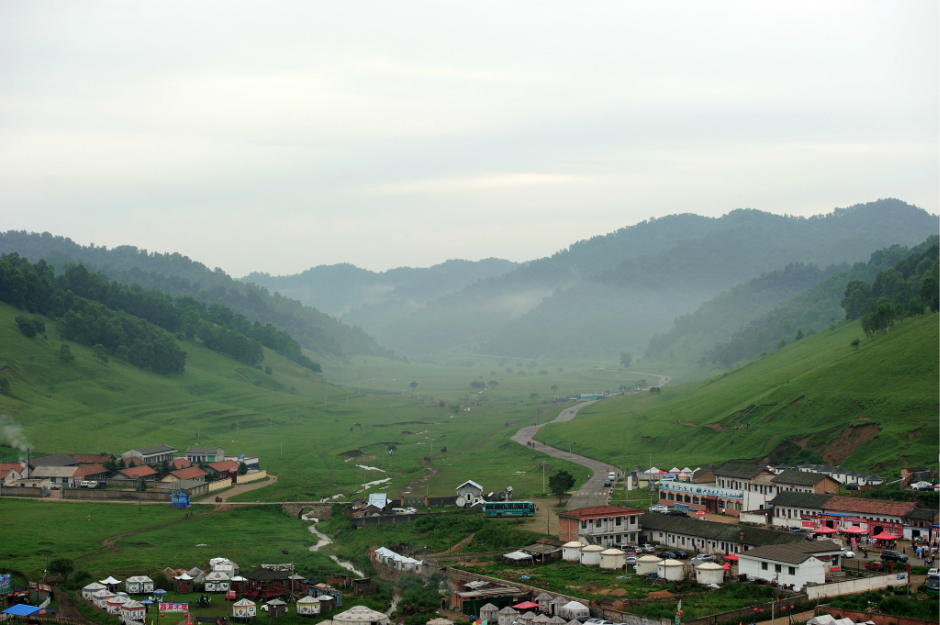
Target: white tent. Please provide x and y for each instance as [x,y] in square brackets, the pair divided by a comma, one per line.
[489,613]
[647,564]
[591,555]
[573,610]
[507,616]
[133,611]
[101,598]
[571,552]
[114,604]
[612,559]
[360,614]
[709,573]
[89,590]
[526,619]
[244,609]
[218,581]
[138,584]
[556,604]
[308,606]
[543,600]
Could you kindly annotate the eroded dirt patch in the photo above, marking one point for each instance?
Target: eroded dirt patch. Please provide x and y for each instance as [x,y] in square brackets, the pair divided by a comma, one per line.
[846,443]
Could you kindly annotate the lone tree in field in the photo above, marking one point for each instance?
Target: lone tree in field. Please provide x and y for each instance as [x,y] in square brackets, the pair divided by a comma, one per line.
[493,384]
[413,386]
[625,359]
[559,482]
[533,396]
[554,388]
[63,567]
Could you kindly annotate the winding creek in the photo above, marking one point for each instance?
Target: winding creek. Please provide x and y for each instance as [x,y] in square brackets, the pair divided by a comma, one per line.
[323,540]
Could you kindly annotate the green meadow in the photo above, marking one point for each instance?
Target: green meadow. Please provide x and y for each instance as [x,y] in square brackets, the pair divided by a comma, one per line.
[871,408]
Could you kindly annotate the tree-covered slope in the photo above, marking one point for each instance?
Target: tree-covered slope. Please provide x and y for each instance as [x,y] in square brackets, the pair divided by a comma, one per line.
[873,408]
[179,275]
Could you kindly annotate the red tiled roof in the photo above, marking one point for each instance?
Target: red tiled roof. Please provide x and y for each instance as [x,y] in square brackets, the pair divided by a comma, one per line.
[141,471]
[869,506]
[90,469]
[6,467]
[599,511]
[224,466]
[180,463]
[189,474]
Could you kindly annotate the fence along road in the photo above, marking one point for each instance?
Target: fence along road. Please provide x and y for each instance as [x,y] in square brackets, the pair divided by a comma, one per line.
[592,493]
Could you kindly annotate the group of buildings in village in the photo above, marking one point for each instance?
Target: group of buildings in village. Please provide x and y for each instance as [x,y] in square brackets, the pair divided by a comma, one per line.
[268,585]
[159,466]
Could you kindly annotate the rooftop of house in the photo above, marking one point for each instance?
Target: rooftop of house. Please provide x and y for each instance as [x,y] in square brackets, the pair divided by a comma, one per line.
[136,472]
[53,471]
[189,473]
[869,506]
[224,466]
[179,463]
[713,530]
[203,450]
[6,467]
[798,478]
[92,458]
[789,554]
[55,460]
[471,483]
[738,471]
[90,469]
[598,511]
[793,499]
[155,449]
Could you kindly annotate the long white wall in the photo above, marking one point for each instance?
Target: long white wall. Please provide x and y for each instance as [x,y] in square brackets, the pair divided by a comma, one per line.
[863,584]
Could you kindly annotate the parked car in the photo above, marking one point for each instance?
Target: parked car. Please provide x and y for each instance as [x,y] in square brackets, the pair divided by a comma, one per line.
[681,555]
[893,556]
[660,508]
[848,554]
[674,512]
[646,547]
[933,572]
[668,555]
[875,565]
[921,486]
[703,557]
[851,487]
[630,560]
[606,483]
[89,484]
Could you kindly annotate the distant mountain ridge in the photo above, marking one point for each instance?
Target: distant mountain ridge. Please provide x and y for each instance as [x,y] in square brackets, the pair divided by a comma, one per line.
[612,293]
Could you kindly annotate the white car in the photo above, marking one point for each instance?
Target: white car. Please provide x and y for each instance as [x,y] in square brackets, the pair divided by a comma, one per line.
[848,554]
[703,557]
[922,486]
[933,572]
[659,508]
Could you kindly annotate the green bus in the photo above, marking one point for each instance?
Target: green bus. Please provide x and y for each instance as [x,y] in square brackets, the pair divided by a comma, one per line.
[508,508]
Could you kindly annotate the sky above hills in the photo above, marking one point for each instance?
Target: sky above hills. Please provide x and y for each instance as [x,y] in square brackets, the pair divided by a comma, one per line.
[277,136]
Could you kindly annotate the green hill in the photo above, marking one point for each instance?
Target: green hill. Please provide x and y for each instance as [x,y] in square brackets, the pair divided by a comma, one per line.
[181,276]
[874,408]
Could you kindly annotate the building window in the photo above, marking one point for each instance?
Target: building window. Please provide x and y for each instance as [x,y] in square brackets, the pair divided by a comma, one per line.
[695,499]
[619,521]
[763,566]
[791,570]
[633,520]
[778,568]
[584,525]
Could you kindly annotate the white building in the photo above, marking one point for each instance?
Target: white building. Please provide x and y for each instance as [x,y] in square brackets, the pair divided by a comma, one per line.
[784,565]
[468,493]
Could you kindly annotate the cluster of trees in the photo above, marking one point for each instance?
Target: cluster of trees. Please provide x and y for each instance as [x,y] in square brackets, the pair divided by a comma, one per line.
[36,289]
[909,288]
[813,309]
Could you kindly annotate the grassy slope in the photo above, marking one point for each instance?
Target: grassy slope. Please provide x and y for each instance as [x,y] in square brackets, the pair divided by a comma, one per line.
[90,407]
[809,393]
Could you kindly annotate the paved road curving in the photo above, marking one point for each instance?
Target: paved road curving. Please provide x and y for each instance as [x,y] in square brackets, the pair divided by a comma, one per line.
[592,493]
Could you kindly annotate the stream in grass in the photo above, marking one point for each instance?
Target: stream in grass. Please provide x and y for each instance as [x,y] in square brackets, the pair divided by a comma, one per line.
[323,540]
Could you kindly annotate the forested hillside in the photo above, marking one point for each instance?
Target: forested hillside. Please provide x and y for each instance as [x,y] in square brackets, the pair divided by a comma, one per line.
[611,294]
[344,290]
[180,276]
[810,311]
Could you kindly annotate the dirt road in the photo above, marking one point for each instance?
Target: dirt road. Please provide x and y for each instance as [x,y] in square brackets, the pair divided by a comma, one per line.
[592,493]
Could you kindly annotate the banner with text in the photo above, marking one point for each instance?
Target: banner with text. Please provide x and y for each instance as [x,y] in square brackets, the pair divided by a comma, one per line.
[174,607]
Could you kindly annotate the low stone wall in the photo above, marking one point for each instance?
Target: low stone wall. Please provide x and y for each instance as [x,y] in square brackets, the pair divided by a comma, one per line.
[114,495]
[879,619]
[253,476]
[22,491]
[853,586]
[220,484]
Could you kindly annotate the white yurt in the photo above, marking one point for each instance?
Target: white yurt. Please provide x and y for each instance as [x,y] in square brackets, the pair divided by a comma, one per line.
[647,565]
[89,591]
[358,615]
[613,559]
[244,609]
[489,613]
[709,573]
[591,555]
[111,583]
[507,616]
[556,604]
[556,620]
[101,598]
[308,606]
[540,619]
[138,584]
[543,600]
[133,611]
[526,619]
[571,552]
[574,621]
[672,570]
[440,621]
[114,604]
[218,581]
[574,610]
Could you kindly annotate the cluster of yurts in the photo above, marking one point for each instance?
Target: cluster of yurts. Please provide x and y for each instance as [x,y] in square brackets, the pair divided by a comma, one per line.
[706,573]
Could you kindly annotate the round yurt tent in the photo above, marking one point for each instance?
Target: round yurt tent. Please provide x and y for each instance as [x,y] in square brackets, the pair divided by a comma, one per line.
[218,581]
[101,598]
[526,619]
[647,565]
[556,604]
[672,570]
[540,619]
[308,606]
[591,555]
[489,613]
[709,573]
[111,583]
[571,552]
[543,600]
[613,559]
[244,609]
[507,616]
[89,591]
[359,615]
[115,603]
[184,583]
[440,621]
[556,620]
[574,610]
[133,611]
[138,585]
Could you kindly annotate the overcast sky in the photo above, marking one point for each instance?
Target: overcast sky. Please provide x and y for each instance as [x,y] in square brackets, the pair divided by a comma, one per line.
[274,136]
